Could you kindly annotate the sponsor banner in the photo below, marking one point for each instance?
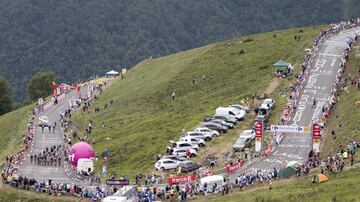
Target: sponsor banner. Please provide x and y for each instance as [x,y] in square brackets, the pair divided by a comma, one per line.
[316,131]
[289,129]
[117,182]
[230,169]
[259,129]
[181,179]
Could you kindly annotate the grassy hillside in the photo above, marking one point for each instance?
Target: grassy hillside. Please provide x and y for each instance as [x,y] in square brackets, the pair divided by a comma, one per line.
[14,195]
[78,39]
[346,111]
[12,130]
[143,117]
[338,188]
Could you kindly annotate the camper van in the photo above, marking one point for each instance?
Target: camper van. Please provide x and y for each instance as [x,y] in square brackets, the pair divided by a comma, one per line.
[237,113]
[85,166]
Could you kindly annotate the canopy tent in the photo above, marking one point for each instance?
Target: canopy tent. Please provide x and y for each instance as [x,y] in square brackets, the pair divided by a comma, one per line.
[112,72]
[281,65]
[292,164]
[286,172]
[322,178]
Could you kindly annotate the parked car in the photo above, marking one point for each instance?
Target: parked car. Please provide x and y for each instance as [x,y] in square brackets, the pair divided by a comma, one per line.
[174,157]
[242,107]
[193,140]
[222,122]
[248,133]
[215,126]
[166,164]
[185,145]
[43,121]
[207,131]
[181,152]
[226,118]
[241,143]
[231,111]
[200,135]
[269,102]
[188,166]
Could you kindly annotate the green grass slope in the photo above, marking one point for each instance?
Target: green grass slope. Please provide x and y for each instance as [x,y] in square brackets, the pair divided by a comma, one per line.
[339,188]
[12,130]
[15,195]
[143,117]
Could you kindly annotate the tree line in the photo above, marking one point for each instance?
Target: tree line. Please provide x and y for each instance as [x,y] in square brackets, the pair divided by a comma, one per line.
[40,85]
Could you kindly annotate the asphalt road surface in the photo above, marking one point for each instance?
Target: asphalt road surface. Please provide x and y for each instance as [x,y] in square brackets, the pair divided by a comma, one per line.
[318,85]
[48,139]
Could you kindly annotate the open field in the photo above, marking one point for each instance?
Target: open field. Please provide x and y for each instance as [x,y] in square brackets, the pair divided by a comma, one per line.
[143,118]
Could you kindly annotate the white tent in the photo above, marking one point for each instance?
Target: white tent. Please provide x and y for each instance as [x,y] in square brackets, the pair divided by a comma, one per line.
[112,72]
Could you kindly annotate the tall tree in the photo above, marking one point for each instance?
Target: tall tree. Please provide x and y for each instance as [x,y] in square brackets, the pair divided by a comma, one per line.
[6,102]
[40,85]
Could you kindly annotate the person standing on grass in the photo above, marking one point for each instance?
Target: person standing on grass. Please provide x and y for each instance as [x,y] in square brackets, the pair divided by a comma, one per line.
[173,95]
[270,185]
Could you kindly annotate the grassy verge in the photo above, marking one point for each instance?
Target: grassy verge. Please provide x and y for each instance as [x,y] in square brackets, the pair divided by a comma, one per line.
[13,195]
[339,188]
[12,130]
[346,111]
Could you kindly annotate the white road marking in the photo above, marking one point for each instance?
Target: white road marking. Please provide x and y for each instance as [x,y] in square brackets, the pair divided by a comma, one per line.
[330,55]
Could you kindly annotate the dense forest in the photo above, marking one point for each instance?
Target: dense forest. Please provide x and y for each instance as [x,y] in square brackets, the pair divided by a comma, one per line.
[77,39]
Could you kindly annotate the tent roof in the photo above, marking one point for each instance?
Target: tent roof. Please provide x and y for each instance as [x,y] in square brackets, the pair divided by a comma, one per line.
[112,72]
[281,63]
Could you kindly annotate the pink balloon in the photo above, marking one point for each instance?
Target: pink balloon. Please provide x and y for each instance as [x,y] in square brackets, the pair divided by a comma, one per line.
[80,150]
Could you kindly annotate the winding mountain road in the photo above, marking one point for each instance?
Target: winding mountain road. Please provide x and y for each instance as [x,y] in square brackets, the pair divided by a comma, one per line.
[318,84]
[47,139]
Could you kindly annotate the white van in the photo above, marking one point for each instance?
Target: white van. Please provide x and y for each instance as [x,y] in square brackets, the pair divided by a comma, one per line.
[84,166]
[232,111]
[211,180]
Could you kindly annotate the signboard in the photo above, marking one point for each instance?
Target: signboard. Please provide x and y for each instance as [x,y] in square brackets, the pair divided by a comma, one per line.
[117,182]
[230,169]
[289,129]
[316,129]
[181,179]
[258,136]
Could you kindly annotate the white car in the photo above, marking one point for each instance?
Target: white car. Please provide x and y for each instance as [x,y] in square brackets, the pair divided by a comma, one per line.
[200,135]
[239,106]
[248,133]
[181,152]
[269,102]
[193,140]
[207,131]
[173,157]
[166,164]
[185,145]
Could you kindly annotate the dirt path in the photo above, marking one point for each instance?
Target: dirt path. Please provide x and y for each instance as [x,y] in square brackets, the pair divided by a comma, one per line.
[274,83]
